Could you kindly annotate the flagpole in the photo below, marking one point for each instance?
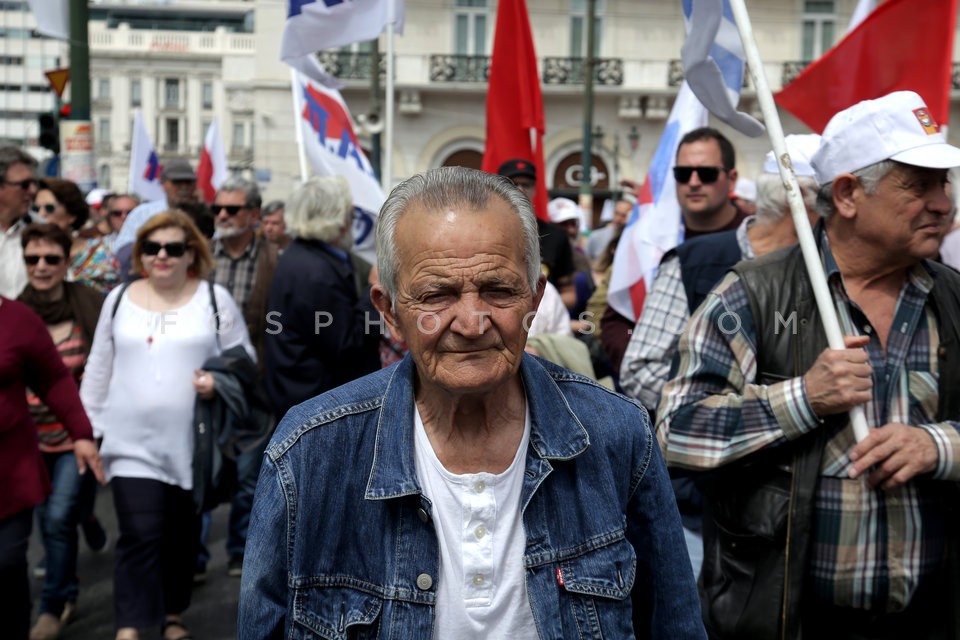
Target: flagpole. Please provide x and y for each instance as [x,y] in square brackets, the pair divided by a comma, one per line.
[386,178]
[297,129]
[808,246]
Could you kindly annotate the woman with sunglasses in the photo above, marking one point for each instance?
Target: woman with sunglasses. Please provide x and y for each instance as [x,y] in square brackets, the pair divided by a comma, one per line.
[70,311]
[140,389]
[91,261]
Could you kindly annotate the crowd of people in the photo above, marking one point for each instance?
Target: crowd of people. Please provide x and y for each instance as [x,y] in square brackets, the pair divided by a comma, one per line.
[466,440]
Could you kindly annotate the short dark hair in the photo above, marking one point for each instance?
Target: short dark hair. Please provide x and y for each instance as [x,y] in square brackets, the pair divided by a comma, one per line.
[47,231]
[69,195]
[727,155]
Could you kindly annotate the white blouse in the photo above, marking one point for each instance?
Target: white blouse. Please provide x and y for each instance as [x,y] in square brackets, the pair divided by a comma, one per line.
[138,383]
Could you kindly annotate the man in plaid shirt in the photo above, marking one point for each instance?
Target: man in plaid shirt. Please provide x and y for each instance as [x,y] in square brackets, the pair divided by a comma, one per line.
[808,531]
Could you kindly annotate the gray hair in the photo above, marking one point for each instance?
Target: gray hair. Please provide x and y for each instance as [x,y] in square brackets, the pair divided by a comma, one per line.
[438,189]
[772,203]
[869,177]
[251,192]
[319,208]
[11,155]
[271,208]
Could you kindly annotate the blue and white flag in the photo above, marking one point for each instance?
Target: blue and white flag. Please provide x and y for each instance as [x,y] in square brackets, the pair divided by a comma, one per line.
[145,169]
[656,226]
[316,25]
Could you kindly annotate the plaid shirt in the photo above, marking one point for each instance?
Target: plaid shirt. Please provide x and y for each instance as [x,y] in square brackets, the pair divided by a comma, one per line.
[870,549]
[653,344]
[237,275]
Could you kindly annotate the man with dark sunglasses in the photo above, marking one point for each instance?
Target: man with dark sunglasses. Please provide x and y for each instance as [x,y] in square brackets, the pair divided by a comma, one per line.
[18,186]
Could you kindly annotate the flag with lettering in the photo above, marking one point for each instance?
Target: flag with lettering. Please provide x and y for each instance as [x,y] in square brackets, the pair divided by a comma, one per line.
[656,226]
[333,150]
[212,169]
[144,176]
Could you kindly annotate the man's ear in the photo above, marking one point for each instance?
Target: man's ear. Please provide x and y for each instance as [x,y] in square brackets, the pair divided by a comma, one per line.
[845,194]
[538,294]
[381,300]
[732,176]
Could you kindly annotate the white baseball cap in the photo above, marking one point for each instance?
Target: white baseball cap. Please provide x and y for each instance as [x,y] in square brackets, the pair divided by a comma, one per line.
[746,189]
[563,209]
[897,126]
[801,148]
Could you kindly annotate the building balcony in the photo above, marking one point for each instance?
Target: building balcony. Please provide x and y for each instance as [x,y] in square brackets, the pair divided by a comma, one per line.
[606,71]
[123,40]
[790,69]
[351,65]
[459,68]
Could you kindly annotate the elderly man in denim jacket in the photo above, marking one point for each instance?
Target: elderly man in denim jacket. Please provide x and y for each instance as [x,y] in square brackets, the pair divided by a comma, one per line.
[471,490]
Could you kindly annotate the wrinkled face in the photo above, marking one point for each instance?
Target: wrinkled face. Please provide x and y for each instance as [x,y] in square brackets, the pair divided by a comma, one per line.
[909,214]
[274,228]
[52,211]
[50,267]
[120,208]
[462,296]
[231,214]
[178,191]
[15,200]
[700,201]
[164,268]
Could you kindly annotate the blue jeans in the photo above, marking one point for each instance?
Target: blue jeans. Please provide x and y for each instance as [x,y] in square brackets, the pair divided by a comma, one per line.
[58,517]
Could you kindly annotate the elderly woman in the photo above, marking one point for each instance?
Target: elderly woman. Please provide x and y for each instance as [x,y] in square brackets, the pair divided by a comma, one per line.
[91,260]
[70,310]
[321,330]
[140,388]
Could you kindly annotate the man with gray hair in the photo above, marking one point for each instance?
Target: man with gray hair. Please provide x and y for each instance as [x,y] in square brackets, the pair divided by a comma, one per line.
[321,328]
[273,225]
[18,186]
[807,532]
[470,490]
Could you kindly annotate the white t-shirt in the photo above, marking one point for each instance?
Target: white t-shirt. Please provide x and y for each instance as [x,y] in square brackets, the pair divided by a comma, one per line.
[13,272]
[552,315]
[481,592]
[138,383]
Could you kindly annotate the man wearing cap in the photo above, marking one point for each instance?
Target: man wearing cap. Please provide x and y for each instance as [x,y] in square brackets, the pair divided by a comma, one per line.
[179,184]
[565,213]
[810,532]
[555,253]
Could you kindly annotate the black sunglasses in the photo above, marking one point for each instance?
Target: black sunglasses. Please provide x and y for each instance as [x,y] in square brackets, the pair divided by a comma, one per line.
[173,249]
[23,184]
[708,175]
[49,208]
[116,213]
[51,259]
[231,209]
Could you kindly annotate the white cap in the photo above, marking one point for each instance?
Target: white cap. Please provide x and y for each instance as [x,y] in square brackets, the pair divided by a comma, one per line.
[563,209]
[897,126]
[801,148]
[95,197]
[746,189]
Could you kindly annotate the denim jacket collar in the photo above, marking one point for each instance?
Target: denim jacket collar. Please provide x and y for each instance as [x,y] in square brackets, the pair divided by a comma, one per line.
[555,432]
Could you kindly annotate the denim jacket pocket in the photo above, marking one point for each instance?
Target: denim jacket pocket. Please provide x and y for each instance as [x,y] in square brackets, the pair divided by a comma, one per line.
[335,613]
[599,582]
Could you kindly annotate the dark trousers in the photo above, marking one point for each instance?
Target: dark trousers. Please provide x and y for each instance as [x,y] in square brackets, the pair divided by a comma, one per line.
[14,585]
[153,573]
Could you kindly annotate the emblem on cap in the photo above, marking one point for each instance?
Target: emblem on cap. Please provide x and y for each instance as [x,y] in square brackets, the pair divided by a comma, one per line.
[926,121]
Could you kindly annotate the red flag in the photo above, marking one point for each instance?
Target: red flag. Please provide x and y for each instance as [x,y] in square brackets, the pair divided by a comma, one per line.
[514,104]
[212,169]
[902,45]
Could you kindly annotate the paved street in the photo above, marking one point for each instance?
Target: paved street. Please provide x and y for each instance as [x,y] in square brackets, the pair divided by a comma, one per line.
[211,616]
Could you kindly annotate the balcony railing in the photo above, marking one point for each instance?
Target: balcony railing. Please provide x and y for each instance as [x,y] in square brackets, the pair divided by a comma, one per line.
[790,70]
[351,65]
[606,71]
[459,68]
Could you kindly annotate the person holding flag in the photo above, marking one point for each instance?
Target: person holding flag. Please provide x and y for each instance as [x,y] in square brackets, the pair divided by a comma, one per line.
[831,537]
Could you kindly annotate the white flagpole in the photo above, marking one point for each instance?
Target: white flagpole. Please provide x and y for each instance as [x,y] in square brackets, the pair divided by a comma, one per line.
[297,128]
[386,177]
[811,255]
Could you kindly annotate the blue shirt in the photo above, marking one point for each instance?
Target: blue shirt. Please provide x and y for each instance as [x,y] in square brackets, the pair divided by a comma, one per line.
[345,544]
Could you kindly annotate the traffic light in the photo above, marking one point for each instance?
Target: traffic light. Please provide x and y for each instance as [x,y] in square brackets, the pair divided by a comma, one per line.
[49,137]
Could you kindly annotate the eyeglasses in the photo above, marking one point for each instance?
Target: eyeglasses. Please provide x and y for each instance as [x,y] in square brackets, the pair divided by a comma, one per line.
[173,249]
[116,213]
[708,175]
[47,208]
[51,259]
[231,209]
[23,184]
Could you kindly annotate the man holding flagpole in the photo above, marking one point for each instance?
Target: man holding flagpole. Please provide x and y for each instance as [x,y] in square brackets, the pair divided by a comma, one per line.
[808,532]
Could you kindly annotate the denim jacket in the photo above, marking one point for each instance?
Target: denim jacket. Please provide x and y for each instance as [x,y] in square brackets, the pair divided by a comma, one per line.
[341,542]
